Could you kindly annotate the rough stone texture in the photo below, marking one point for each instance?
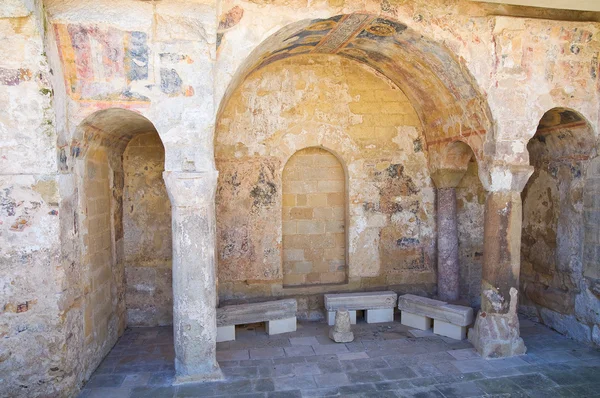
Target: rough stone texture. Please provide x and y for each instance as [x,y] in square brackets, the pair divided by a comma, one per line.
[337,104]
[496,330]
[560,229]
[470,205]
[314,210]
[256,312]
[447,245]
[436,309]
[496,335]
[147,234]
[194,277]
[341,332]
[78,82]
[360,301]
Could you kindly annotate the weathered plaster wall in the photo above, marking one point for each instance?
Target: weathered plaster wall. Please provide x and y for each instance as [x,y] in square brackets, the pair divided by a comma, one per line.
[32,339]
[370,125]
[555,222]
[540,65]
[147,233]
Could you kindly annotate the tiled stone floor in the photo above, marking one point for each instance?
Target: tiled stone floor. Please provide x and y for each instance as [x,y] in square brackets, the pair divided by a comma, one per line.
[385,360]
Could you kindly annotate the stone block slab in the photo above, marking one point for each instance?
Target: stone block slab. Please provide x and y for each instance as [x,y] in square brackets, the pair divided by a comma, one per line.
[360,301]
[435,309]
[241,314]
[225,333]
[379,315]
[415,321]
[449,330]
[279,326]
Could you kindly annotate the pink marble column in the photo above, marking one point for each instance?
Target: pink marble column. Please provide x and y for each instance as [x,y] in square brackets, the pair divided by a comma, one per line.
[447,243]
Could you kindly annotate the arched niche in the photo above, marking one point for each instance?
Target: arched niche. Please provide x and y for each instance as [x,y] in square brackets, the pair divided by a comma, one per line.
[314,219]
[120,278]
[446,98]
[558,220]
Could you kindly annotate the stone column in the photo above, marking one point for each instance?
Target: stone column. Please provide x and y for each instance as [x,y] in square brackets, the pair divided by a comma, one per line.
[496,330]
[446,181]
[192,197]
[447,244]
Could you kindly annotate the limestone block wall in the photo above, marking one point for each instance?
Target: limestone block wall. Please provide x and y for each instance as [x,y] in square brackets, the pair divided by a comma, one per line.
[314,218]
[147,233]
[102,313]
[347,109]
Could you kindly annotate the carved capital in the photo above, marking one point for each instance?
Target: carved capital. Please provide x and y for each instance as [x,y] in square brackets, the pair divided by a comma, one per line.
[505,177]
[191,189]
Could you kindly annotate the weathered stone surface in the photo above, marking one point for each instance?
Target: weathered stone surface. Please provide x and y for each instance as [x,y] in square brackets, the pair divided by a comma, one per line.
[567,324]
[448,266]
[360,301]
[75,81]
[341,332]
[496,335]
[256,312]
[194,278]
[436,309]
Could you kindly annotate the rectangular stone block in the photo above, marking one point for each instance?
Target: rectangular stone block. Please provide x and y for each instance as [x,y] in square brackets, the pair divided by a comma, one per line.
[225,333]
[415,321]
[360,301]
[379,315]
[256,312]
[331,317]
[455,314]
[281,326]
[449,330]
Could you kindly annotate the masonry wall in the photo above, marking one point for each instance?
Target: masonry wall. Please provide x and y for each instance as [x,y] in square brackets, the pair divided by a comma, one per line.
[102,275]
[147,233]
[557,230]
[370,125]
[32,328]
[470,205]
[314,219]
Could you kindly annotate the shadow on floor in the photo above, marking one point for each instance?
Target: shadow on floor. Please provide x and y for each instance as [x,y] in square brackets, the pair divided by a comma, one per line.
[385,360]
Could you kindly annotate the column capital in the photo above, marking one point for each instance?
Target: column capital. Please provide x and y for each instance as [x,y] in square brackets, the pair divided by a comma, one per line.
[191,189]
[505,177]
[447,178]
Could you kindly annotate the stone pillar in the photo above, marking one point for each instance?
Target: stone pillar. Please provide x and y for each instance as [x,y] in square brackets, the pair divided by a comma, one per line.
[192,197]
[447,245]
[446,181]
[496,330]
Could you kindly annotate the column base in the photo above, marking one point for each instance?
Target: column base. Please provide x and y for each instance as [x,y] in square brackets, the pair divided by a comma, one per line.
[331,317]
[215,375]
[497,335]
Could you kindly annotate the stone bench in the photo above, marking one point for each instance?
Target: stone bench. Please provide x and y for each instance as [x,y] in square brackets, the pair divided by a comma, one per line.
[448,320]
[378,306]
[279,316]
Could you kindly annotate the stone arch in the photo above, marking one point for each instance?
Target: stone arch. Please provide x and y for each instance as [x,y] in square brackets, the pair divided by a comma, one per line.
[337,103]
[314,218]
[558,215]
[445,96]
[102,185]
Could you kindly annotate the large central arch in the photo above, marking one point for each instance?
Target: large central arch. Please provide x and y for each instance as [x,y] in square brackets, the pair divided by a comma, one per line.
[443,93]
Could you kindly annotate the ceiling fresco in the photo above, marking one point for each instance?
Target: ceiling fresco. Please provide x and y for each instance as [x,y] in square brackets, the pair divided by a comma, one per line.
[441,91]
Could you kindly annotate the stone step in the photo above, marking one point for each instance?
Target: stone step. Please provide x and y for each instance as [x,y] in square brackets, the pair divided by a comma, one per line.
[455,314]
[360,301]
[241,314]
